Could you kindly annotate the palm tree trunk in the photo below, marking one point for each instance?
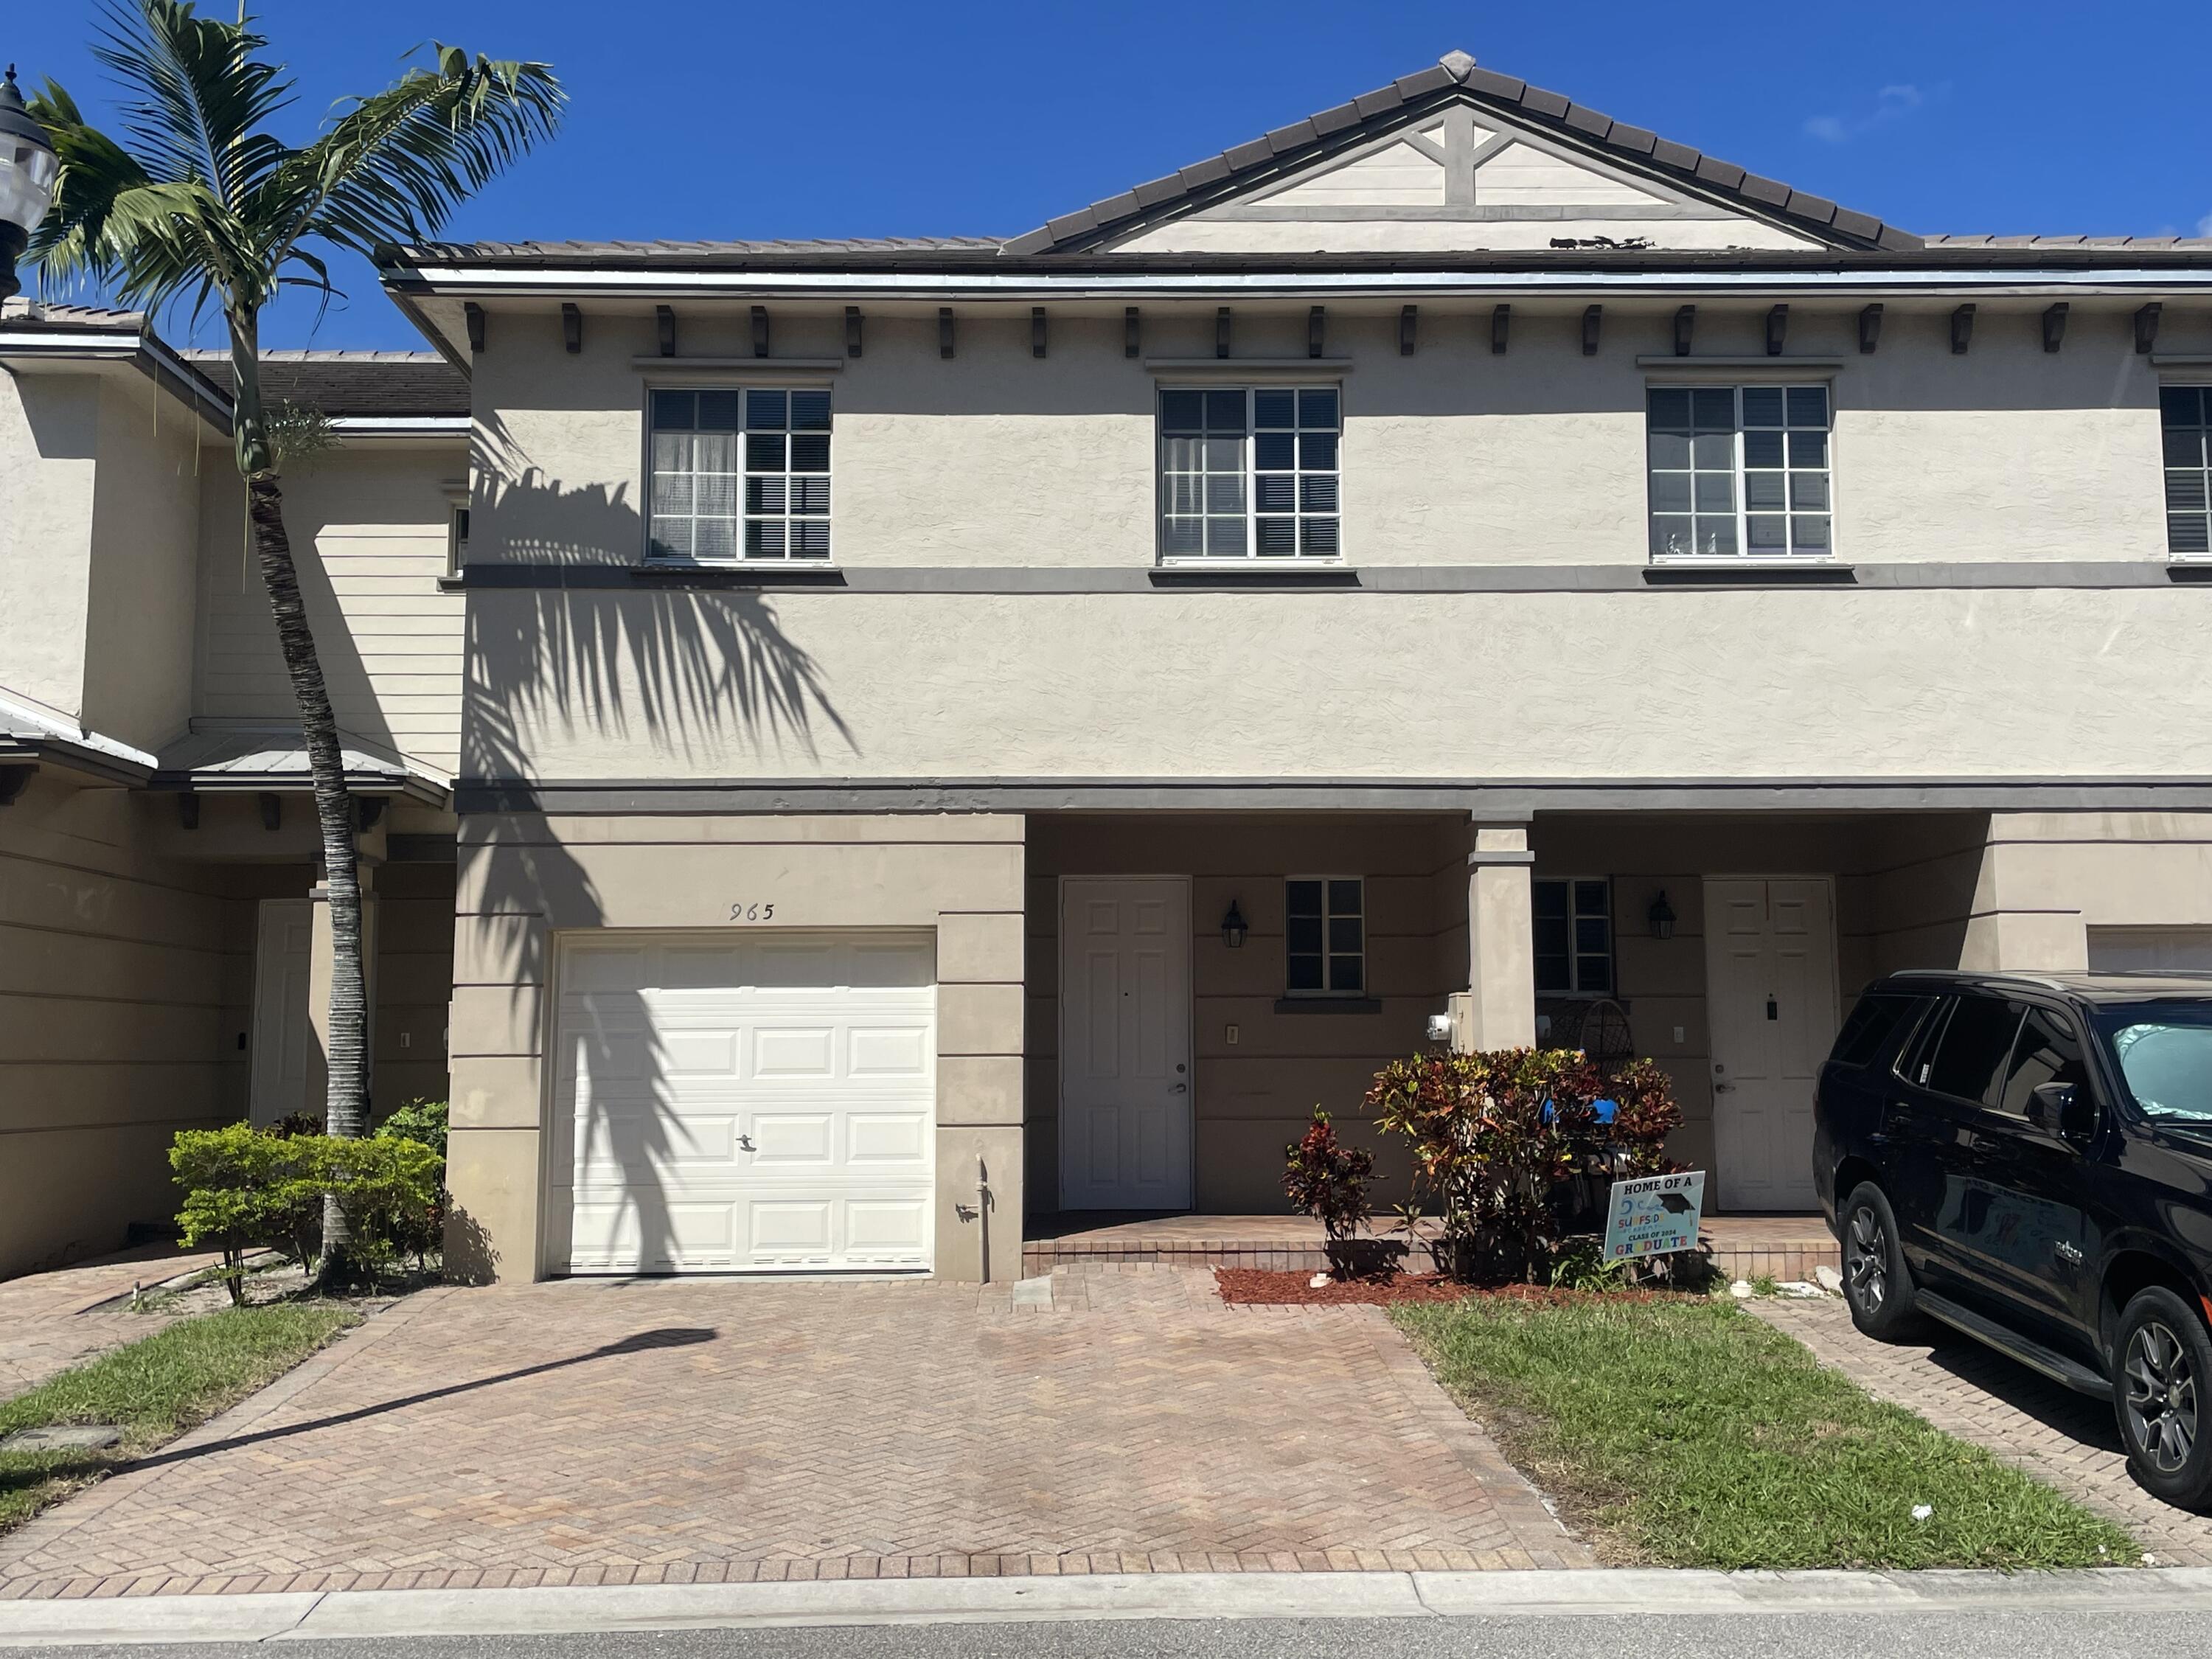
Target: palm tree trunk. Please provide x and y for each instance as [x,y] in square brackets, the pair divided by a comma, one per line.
[345,1101]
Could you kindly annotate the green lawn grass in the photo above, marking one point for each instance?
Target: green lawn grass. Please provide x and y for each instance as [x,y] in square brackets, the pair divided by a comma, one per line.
[1687,1433]
[154,1389]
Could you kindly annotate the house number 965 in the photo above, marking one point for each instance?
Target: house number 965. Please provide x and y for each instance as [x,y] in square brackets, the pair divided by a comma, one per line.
[756,912]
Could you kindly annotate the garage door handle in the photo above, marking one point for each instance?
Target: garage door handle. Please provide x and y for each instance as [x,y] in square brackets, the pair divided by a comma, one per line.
[745,1143]
[1180,1088]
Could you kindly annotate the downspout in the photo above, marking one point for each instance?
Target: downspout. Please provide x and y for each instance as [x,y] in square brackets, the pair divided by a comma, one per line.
[983,1213]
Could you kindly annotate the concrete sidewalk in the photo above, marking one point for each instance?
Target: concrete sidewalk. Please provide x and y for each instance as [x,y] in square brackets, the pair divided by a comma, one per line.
[1640,1593]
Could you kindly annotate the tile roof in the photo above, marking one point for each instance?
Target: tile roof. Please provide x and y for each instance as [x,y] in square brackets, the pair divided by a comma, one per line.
[341,383]
[23,311]
[1453,79]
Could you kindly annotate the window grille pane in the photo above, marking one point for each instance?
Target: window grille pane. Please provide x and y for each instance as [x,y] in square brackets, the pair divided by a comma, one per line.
[1304,933]
[765,410]
[713,538]
[809,495]
[810,451]
[1270,493]
[763,452]
[764,538]
[1305,973]
[2186,413]
[672,539]
[1594,973]
[810,539]
[809,411]
[764,494]
[1346,974]
[674,411]
[1343,897]
[1302,898]
[718,411]
[1730,465]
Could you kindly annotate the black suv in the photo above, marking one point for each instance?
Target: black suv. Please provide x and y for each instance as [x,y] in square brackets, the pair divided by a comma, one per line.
[2028,1158]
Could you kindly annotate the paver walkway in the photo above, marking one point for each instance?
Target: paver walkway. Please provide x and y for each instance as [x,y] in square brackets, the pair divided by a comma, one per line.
[2064,1439]
[695,1429]
[52,1321]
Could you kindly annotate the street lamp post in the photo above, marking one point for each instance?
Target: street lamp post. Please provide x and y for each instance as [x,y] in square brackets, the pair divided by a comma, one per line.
[28,167]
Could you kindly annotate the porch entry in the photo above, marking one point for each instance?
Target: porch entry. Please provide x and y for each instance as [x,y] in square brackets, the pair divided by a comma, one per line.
[1770,998]
[283,1034]
[1125,1026]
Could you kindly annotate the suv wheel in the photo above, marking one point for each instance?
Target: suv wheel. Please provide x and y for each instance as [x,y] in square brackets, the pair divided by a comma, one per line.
[2162,1390]
[1877,1285]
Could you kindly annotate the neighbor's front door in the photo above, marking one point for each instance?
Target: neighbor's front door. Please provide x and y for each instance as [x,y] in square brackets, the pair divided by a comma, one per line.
[283,1033]
[1771,1001]
[1125,1044]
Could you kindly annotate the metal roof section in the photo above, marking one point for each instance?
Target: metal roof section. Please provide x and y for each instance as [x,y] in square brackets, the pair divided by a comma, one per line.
[35,334]
[215,757]
[31,733]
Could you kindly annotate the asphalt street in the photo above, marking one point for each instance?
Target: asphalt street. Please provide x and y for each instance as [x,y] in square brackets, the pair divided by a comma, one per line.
[2067,1633]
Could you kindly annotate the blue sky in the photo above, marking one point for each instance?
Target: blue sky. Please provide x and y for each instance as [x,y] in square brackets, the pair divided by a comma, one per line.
[709,118]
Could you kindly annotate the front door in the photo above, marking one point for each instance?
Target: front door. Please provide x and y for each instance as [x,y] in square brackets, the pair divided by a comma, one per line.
[1125,1042]
[1770,999]
[284,1036]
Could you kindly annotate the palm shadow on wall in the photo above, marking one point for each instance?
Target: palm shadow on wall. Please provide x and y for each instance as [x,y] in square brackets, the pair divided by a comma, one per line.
[686,681]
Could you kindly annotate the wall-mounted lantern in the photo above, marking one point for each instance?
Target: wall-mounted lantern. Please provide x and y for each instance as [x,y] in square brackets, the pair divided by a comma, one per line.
[1233,928]
[1662,917]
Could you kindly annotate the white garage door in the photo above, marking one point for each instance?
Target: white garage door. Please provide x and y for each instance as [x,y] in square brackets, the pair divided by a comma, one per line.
[762,1102]
[2118,950]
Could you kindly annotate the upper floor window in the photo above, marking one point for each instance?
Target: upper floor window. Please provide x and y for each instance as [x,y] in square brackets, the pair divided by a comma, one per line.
[1250,473]
[1739,470]
[1574,935]
[740,474]
[2186,412]
[1325,935]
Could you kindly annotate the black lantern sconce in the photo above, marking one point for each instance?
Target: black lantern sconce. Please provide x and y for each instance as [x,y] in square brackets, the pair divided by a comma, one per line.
[1662,917]
[1233,928]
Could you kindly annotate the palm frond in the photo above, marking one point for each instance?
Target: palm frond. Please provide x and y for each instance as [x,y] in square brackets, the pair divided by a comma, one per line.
[393,168]
[197,101]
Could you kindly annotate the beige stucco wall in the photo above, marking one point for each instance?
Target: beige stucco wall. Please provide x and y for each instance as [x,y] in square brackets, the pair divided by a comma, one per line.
[526,881]
[1452,456]
[2045,879]
[125,978]
[138,635]
[1770,683]
[368,522]
[49,445]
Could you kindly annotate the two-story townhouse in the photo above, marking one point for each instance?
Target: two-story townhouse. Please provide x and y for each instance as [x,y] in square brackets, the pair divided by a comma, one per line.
[952,733]
[160,939]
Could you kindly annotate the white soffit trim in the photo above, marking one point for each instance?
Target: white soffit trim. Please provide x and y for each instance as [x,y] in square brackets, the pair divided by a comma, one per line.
[400,426]
[513,281]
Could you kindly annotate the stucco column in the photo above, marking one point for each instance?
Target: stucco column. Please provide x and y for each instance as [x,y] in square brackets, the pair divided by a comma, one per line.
[2027,912]
[320,955]
[1500,1011]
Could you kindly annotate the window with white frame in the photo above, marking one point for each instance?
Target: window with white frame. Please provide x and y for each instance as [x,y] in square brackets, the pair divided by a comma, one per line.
[1574,935]
[740,474]
[1250,473]
[2186,411]
[1325,935]
[1739,470]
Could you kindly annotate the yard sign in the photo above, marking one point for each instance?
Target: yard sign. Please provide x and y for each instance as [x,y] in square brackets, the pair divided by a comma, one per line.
[1655,1215]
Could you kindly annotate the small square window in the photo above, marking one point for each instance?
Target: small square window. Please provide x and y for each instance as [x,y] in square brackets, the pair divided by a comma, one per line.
[1248,472]
[705,443]
[1572,935]
[1737,469]
[1325,935]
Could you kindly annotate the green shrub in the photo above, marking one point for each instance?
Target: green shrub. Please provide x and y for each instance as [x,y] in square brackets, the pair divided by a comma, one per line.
[420,1120]
[244,1189]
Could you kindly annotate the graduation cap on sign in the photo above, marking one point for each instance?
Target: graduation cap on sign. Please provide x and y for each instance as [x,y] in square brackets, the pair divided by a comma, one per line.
[1673,1202]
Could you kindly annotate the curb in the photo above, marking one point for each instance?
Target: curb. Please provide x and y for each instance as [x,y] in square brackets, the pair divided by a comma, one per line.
[1623,1593]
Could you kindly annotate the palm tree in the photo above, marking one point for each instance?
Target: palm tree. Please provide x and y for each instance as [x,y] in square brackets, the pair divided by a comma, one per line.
[197,200]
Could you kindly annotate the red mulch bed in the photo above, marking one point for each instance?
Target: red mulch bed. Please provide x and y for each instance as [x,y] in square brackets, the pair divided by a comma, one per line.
[1259,1286]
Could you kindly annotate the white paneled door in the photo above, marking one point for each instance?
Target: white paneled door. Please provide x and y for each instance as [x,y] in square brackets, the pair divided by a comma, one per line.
[1125,1104]
[283,1034]
[1770,998]
[756,1103]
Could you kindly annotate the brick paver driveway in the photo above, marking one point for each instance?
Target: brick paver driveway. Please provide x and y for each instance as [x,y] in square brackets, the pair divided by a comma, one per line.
[617,1431]
[53,1319]
[2064,1439]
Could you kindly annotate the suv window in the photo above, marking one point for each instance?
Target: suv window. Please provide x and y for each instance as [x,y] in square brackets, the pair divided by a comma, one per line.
[1872,1023]
[1973,1048]
[2046,1051]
